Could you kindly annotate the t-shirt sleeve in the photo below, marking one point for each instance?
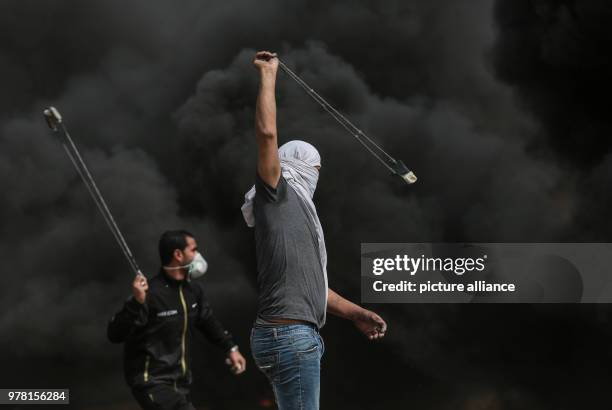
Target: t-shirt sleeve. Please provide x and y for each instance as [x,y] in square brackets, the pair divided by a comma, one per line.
[266,193]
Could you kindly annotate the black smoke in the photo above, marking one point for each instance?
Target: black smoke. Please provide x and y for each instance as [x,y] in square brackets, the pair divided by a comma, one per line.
[499,107]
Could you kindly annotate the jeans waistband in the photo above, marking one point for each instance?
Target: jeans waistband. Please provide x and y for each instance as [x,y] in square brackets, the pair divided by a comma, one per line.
[282,329]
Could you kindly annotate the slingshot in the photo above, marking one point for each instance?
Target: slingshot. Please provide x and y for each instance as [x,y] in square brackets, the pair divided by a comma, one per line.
[54,121]
[397,167]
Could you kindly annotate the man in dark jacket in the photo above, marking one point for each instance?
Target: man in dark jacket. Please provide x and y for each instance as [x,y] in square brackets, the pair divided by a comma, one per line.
[156,326]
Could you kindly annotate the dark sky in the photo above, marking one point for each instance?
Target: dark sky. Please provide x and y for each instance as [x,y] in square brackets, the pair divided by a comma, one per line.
[500,107]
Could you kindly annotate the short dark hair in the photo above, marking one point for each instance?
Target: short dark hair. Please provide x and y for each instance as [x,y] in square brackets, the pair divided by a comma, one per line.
[170,241]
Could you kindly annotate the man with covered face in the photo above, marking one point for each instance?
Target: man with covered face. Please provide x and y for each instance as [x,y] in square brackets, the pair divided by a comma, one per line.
[291,259]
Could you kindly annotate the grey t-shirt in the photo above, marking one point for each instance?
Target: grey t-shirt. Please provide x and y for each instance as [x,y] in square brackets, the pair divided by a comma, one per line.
[289,274]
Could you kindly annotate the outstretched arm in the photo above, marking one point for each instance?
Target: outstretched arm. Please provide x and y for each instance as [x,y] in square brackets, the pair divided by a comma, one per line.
[268,165]
[368,322]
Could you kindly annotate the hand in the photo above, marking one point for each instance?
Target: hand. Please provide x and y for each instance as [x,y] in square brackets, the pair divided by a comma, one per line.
[236,361]
[266,61]
[370,324]
[139,288]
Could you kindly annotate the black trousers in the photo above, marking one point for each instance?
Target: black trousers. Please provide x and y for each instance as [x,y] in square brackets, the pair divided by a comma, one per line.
[163,397]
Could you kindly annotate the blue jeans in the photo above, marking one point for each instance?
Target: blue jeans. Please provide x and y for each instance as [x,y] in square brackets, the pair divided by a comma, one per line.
[290,357]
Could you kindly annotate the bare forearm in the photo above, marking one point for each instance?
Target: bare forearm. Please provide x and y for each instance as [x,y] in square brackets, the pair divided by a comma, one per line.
[341,307]
[368,322]
[265,113]
[268,164]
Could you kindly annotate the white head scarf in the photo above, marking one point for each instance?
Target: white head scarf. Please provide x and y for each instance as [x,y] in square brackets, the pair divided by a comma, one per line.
[298,160]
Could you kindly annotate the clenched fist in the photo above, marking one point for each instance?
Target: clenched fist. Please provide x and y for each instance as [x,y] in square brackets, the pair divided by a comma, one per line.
[139,288]
[236,362]
[266,61]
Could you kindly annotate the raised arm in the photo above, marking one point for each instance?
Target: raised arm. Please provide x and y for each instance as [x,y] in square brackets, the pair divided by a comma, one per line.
[368,322]
[268,165]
